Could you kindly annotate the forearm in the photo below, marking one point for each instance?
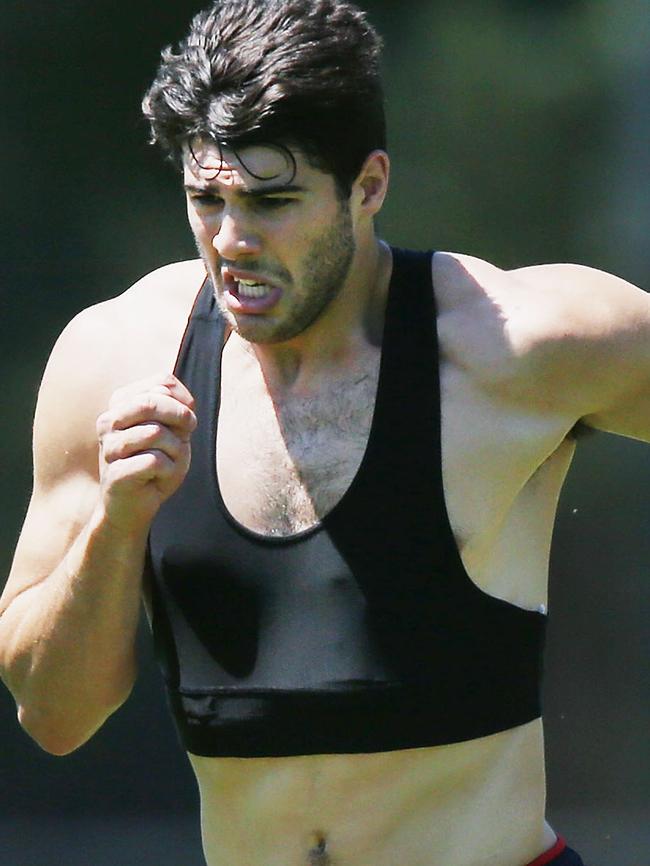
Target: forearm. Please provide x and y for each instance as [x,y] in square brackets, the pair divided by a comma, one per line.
[68,618]
[68,641]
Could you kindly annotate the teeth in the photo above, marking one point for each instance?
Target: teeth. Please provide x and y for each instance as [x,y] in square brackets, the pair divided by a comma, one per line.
[251,289]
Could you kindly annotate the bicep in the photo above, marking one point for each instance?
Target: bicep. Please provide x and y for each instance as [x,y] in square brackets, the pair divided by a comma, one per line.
[54,519]
[65,468]
[619,366]
[592,346]
[629,415]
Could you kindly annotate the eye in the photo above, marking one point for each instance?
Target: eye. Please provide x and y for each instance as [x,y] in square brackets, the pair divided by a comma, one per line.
[206,200]
[273,203]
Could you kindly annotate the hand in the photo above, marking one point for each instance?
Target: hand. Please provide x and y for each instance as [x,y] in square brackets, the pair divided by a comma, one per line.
[144,439]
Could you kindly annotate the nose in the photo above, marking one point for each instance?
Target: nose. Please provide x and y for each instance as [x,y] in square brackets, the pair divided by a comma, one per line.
[235,239]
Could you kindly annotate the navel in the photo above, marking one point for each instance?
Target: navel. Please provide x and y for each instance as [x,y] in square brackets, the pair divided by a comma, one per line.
[318,854]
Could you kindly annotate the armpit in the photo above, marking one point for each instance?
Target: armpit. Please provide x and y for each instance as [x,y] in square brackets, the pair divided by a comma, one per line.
[580,431]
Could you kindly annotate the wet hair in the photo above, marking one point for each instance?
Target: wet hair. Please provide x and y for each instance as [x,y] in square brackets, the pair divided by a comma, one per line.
[299,74]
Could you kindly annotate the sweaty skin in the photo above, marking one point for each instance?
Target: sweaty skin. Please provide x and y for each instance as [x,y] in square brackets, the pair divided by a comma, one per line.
[517,354]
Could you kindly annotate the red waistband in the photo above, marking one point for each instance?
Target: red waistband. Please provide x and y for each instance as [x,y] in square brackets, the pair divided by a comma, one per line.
[551,854]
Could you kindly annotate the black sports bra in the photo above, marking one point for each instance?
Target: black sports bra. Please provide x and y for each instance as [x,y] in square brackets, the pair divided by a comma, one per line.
[363,634]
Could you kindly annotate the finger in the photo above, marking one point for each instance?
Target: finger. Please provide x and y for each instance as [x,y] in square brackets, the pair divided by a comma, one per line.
[175,388]
[147,408]
[141,468]
[121,444]
[165,383]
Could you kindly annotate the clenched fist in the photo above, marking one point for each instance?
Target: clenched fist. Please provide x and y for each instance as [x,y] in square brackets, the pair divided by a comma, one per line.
[144,455]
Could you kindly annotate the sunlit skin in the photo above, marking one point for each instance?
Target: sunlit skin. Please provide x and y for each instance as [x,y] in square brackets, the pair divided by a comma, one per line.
[256,217]
[523,357]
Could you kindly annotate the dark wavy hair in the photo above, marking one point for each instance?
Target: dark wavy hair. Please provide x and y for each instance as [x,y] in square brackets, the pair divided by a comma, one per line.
[291,73]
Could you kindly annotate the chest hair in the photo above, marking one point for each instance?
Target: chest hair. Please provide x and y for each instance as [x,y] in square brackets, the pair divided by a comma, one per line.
[295,458]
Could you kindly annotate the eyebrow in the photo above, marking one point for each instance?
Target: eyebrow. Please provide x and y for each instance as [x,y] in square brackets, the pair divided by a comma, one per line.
[258,192]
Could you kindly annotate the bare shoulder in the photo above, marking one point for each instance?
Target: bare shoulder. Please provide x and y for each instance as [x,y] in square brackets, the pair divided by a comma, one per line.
[156,305]
[130,335]
[106,346]
[561,335]
[480,309]
[460,275]
[175,283]
[581,302]
[538,306]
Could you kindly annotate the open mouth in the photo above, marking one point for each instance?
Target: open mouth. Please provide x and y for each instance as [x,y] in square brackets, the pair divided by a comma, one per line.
[252,289]
[246,294]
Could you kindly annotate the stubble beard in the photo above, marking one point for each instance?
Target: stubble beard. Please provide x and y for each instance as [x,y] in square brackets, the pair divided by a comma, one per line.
[323,270]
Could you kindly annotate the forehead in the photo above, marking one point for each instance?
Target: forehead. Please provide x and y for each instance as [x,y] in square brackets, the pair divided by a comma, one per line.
[205,161]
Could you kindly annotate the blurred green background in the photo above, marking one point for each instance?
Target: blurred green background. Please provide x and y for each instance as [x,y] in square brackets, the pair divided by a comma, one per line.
[519,132]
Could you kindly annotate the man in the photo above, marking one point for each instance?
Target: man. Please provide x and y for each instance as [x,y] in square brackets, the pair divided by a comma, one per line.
[346,571]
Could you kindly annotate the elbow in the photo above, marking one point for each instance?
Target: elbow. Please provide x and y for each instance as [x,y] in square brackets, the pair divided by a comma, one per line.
[61,732]
[54,738]
[56,746]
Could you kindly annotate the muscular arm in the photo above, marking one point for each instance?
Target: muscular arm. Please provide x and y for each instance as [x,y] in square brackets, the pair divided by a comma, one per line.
[67,630]
[69,612]
[591,342]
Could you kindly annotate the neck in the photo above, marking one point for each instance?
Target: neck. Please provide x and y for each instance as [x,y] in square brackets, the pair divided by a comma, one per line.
[352,321]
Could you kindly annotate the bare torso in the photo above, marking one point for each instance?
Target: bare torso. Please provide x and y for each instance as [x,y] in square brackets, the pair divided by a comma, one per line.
[505,456]
[471,803]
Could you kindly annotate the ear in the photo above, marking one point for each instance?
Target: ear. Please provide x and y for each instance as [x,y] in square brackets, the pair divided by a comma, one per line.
[370,188]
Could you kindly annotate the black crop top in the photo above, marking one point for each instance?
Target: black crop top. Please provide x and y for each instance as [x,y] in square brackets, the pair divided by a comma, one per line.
[362,634]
